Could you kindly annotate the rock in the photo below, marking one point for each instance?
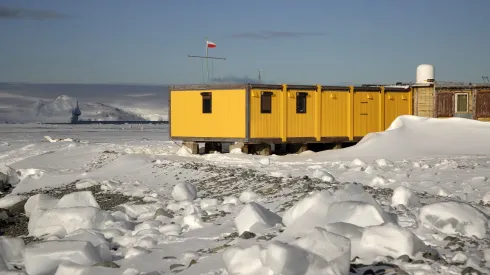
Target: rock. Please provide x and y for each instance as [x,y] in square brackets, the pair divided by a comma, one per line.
[162,212]
[405,258]
[247,235]
[107,264]
[433,256]
[471,271]
[459,258]
[4,214]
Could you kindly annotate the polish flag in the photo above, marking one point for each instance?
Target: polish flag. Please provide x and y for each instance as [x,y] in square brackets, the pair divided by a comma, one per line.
[211,44]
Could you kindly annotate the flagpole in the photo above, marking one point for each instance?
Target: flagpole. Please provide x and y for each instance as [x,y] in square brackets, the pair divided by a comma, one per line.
[207,65]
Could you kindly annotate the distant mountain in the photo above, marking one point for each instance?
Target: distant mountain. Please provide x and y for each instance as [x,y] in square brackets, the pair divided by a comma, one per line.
[60,110]
[21,103]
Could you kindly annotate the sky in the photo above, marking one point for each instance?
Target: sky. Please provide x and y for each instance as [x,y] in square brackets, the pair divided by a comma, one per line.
[297,42]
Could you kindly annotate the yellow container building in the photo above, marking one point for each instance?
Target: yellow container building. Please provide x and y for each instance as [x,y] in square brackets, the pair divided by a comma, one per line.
[281,114]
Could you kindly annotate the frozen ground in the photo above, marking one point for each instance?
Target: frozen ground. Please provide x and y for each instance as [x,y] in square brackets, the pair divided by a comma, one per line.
[411,200]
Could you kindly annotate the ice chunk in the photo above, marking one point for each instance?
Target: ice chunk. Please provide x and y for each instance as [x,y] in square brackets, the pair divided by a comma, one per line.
[230,200]
[319,201]
[245,261]
[255,216]
[12,177]
[192,222]
[77,199]
[72,269]
[391,240]
[454,217]
[208,203]
[9,200]
[404,196]
[286,259]
[323,175]
[486,198]
[97,239]
[39,201]
[333,252]
[68,219]
[3,265]
[357,213]
[45,257]
[248,196]
[184,191]
[11,248]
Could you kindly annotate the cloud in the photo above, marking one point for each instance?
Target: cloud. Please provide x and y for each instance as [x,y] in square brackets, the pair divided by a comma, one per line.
[273,34]
[22,13]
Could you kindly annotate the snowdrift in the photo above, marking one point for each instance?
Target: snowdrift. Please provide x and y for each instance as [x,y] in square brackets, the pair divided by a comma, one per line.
[412,136]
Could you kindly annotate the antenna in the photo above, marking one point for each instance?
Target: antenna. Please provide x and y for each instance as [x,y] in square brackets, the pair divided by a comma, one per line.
[260,76]
[485,77]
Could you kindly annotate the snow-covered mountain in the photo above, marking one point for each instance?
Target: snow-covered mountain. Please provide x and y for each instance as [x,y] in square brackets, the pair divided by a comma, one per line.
[60,109]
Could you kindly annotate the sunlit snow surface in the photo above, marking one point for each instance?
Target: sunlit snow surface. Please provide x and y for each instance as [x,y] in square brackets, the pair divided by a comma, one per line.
[443,165]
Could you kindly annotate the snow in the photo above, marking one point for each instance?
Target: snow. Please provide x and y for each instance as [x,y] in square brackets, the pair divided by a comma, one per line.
[419,187]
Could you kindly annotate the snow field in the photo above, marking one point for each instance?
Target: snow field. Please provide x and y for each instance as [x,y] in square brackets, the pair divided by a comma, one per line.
[416,209]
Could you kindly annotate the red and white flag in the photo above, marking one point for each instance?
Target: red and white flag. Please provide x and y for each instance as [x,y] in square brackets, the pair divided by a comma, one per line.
[210,44]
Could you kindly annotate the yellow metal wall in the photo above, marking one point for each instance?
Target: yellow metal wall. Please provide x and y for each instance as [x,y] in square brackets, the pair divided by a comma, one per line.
[265,125]
[335,114]
[227,119]
[396,104]
[366,112]
[300,125]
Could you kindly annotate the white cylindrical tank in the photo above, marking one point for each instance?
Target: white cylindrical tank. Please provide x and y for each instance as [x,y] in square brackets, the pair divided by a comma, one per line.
[425,73]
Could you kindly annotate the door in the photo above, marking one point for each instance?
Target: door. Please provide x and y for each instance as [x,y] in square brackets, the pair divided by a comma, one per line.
[444,104]
[483,105]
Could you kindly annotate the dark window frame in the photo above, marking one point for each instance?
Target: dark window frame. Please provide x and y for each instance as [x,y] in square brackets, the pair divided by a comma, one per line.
[207,102]
[301,104]
[263,102]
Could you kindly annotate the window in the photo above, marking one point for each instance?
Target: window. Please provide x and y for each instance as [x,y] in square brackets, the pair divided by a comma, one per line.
[301,103]
[461,103]
[266,103]
[206,103]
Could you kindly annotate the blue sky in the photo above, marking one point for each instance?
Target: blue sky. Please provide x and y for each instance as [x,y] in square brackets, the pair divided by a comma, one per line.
[312,41]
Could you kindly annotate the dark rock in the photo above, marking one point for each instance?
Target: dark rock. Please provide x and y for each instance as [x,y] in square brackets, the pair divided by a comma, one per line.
[174,266]
[418,262]
[451,238]
[441,261]
[405,259]
[247,235]
[369,272]
[162,212]
[431,256]
[169,258]
[18,208]
[193,262]
[107,264]
[471,271]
